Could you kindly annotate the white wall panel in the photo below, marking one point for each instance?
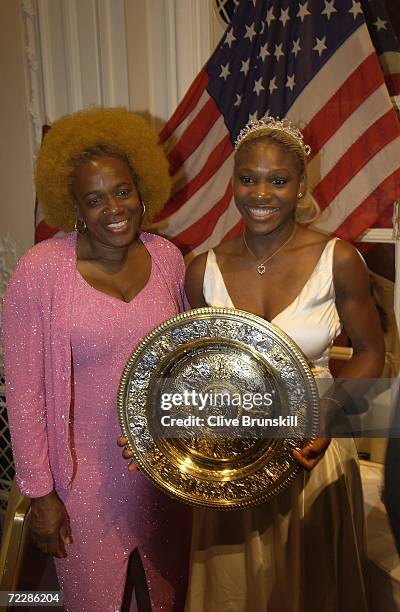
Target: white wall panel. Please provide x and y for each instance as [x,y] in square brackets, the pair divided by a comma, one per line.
[72,53]
[17,116]
[52,50]
[166,55]
[159,20]
[83,60]
[193,40]
[82,45]
[112,54]
[30,52]
[137,54]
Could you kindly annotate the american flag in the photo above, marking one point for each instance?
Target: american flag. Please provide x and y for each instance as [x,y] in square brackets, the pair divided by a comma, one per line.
[313,61]
[385,42]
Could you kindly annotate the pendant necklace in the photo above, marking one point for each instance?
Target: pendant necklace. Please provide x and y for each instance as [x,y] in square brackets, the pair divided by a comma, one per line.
[261,264]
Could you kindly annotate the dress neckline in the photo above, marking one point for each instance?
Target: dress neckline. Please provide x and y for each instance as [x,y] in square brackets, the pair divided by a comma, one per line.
[295,299]
[144,239]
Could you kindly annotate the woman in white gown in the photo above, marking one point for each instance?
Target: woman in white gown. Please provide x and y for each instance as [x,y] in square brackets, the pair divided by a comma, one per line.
[304,549]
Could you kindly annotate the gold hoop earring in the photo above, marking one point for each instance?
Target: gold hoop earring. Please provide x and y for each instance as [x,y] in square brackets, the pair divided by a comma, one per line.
[80,226]
[144,208]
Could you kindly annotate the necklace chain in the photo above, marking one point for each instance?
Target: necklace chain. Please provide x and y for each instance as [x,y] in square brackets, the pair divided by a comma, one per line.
[261,269]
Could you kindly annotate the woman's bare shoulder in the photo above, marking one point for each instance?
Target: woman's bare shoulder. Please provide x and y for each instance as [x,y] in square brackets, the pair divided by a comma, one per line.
[346,259]
[350,273]
[229,247]
[194,280]
[310,237]
[196,264]
[348,264]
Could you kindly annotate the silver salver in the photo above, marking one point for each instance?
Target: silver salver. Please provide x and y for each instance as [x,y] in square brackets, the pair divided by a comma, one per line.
[218,353]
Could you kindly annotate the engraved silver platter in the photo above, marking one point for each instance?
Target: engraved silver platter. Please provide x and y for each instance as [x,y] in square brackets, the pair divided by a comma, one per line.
[187,404]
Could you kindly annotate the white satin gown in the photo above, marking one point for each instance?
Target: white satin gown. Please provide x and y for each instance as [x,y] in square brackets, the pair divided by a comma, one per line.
[304,550]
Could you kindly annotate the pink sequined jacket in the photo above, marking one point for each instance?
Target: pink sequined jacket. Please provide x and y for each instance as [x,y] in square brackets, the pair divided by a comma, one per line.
[37,356]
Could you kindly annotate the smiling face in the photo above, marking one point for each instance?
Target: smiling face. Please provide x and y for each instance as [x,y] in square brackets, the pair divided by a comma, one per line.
[108,201]
[266,184]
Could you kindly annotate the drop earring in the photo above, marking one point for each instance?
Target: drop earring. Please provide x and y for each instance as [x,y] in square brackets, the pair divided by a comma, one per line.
[80,226]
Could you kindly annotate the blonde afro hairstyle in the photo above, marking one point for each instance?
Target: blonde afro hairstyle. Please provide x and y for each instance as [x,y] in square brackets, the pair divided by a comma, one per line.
[116,131]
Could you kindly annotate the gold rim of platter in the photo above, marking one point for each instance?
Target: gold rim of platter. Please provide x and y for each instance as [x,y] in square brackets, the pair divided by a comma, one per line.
[225,472]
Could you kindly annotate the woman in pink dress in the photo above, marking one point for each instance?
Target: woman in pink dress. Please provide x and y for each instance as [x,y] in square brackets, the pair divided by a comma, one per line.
[75,309]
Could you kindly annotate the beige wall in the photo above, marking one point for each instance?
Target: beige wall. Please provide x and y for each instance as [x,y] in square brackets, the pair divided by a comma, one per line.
[17,193]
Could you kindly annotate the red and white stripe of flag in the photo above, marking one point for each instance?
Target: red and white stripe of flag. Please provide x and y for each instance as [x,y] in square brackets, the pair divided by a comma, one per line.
[353,173]
[354,170]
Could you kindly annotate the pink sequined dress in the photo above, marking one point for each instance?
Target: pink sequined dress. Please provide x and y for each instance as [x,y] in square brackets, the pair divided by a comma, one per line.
[112,511]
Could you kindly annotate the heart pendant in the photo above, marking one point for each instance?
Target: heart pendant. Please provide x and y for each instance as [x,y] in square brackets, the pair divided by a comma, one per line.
[261,269]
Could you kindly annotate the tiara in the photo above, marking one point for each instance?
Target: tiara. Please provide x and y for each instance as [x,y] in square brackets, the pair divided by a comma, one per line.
[272,123]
